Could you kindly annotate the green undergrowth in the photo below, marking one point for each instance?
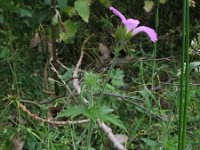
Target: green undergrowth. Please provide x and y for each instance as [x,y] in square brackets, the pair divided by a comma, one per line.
[135,90]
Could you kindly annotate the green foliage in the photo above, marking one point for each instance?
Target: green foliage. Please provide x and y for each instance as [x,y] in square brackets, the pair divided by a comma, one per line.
[67,75]
[72,111]
[118,78]
[137,98]
[4,54]
[106,3]
[62,4]
[71,32]
[83,9]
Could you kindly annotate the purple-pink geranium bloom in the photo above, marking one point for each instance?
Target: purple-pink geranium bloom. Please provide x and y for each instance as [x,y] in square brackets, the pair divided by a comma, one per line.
[132,25]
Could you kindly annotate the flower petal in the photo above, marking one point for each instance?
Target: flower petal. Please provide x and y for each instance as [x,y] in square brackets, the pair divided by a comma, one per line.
[131,24]
[150,32]
[117,13]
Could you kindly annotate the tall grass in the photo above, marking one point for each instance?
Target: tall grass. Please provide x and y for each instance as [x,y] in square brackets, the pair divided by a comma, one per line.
[184,81]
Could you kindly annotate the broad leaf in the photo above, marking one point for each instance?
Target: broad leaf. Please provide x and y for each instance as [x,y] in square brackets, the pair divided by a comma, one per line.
[24,12]
[92,112]
[83,9]
[67,75]
[62,4]
[4,53]
[68,37]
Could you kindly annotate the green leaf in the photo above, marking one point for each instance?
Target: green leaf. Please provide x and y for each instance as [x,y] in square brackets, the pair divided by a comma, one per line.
[62,4]
[70,11]
[48,2]
[4,53]
[163,1]
[150,142]
[91,79]
[106,3]
[193,65]
[24,12]
[68,37]
[92,112]
[112,119]
[1,19]
[106,110]
[55,20]
[72,111]
[118,78]
[67,75]
[83,9]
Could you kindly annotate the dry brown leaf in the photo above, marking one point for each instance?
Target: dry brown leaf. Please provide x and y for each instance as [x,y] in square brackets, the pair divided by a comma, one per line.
[121,138]
[105,53]
[192,3]
[123,60]
[18,142]
[35,41]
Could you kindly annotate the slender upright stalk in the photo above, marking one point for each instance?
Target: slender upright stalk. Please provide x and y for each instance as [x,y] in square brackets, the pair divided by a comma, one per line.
[186,74]
[181,109]
[184,98]
[53,40]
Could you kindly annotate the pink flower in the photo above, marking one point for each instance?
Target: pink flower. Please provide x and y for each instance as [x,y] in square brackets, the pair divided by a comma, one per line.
[132,25]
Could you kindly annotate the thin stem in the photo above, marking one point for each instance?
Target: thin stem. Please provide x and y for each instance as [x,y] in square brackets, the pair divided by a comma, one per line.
[110,71]
[181,109]
[186,75]
[89,136]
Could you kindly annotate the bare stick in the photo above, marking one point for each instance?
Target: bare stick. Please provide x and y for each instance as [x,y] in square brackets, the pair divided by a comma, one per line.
[24,109]
[53,41]
[110,135]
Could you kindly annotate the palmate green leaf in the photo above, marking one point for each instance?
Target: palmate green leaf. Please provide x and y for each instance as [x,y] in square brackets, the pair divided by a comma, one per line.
[68,37]
[92,112]
[103,113]
[83,9]
[91,79]
[72,111]
[118,78]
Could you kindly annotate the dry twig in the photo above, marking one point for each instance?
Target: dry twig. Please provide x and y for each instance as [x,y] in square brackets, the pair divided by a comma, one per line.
[24,109]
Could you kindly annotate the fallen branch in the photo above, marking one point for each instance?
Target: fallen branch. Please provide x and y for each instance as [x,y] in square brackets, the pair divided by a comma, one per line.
[24,109]
[110,135]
